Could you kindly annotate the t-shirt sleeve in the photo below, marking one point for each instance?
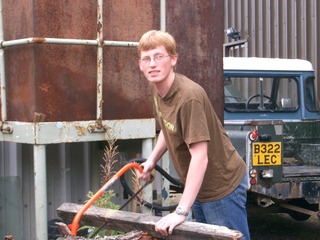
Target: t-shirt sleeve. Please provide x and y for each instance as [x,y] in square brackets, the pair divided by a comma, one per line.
[194,124]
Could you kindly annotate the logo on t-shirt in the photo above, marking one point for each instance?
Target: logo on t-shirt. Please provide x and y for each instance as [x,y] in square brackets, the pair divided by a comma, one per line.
[168,125]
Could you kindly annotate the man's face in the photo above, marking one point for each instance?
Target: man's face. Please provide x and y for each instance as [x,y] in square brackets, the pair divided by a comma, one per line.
[156,64]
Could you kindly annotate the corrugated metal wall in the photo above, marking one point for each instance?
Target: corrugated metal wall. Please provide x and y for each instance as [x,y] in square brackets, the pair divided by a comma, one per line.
[277,28]
[72,171]
[17,184]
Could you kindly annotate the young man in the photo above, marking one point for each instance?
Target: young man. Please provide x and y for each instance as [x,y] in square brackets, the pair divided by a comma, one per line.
[213,172]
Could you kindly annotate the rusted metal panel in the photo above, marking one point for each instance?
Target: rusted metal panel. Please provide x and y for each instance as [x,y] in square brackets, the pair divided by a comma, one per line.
[18,61]
[198,29]
[59,81]
[65,76]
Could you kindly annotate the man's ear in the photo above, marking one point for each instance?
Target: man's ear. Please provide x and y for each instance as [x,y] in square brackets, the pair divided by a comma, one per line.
[174,61]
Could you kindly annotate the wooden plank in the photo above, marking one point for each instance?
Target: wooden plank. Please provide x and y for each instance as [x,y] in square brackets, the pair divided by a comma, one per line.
[128,221]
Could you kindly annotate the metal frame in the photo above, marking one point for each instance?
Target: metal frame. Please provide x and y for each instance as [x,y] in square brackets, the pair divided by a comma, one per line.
[242,43]
[78,131]
[41,133]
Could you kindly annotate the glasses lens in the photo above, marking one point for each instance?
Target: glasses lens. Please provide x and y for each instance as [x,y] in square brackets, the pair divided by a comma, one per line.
[145,60]
[158,58]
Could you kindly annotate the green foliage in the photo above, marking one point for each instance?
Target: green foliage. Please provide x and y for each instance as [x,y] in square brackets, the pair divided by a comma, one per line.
[92,230]
[103,202]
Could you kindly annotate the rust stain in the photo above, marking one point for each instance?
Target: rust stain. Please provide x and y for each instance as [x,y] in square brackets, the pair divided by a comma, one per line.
[38,40]
[99,124]
[101,42]
[91,127]
[101,104]
[45,87]
[81,130]
[39,117]
[99,27]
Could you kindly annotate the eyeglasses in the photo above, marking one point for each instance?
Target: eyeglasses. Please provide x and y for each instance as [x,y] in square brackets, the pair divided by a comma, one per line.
[157,59]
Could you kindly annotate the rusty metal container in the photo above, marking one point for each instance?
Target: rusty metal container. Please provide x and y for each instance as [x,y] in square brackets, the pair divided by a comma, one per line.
[60,80]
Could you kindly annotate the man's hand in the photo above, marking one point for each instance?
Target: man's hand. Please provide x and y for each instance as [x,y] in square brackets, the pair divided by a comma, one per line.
[166,224]
[146,173]
[154,157]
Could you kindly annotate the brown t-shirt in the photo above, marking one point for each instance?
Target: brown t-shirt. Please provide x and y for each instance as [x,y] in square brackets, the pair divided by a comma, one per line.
[186,116]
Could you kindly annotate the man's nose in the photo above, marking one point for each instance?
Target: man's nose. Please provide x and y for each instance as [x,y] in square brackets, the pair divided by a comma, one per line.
[152,62]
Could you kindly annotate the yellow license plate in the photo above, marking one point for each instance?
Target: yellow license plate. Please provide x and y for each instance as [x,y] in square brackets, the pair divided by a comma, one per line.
[266,154]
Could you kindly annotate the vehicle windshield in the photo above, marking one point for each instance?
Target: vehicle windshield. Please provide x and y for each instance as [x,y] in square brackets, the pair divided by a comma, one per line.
[260,94]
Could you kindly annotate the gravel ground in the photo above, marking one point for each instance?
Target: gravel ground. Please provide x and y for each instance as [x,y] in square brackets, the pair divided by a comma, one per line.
[283,227]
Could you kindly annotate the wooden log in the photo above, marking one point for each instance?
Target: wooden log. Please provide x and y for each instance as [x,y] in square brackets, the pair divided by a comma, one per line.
[10,237]
[63,229]
[128,221]
[133,235]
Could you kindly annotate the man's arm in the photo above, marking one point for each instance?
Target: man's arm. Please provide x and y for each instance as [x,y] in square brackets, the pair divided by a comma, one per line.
[196,172]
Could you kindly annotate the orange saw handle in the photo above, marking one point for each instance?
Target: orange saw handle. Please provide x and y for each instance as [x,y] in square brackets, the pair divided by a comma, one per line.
[76,220]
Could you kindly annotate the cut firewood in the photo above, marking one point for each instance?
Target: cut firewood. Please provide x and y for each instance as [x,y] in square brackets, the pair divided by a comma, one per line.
[134,235]
[63,229]
[128,221]
[9,237]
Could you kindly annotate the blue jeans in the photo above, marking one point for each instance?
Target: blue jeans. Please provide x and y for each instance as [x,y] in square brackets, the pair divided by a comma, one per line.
[229,211]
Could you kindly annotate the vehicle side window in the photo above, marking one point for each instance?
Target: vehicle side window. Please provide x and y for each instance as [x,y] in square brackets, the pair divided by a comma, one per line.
[309,94]
[265,94]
